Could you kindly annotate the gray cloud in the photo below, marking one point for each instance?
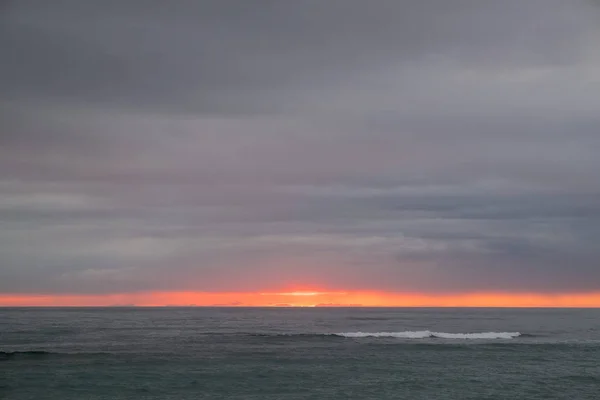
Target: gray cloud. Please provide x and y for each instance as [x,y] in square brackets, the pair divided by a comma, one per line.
[426,145]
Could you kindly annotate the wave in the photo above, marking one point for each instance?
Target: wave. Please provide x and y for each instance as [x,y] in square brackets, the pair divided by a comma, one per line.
[430,334]
[398,335]
[31,353]
[294,335]
[35,354]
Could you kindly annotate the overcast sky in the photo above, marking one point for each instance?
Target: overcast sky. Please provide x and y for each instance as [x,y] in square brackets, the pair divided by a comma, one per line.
[233,145]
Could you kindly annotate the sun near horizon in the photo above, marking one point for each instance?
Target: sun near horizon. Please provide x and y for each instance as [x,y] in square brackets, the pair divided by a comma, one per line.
[306,298]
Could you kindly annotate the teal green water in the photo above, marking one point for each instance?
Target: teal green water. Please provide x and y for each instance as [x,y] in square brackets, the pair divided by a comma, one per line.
[211,353]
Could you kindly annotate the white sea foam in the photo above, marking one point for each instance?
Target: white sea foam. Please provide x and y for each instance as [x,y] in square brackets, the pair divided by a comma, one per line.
[430,334]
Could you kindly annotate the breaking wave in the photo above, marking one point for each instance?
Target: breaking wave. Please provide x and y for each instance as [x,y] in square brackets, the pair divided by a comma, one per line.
[430,334]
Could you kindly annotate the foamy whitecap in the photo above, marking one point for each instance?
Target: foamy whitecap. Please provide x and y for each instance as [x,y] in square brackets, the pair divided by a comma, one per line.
[430,334]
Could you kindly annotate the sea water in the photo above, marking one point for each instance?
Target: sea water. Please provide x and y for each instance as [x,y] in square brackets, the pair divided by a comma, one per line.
[318,353]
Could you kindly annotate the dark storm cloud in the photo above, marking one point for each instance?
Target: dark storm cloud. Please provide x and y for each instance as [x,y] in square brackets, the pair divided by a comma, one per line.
[229,145]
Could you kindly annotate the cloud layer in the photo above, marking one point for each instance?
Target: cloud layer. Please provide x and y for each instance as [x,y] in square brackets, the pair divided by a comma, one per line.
[427,146]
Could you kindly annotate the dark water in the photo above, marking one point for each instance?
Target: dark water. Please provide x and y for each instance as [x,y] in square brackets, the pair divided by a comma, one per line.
[204,353]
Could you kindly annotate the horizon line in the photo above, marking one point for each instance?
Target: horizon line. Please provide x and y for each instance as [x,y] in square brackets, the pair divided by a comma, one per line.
[307,299]
[299,307]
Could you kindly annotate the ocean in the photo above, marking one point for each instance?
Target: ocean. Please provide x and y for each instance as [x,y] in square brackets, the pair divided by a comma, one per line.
[299,353]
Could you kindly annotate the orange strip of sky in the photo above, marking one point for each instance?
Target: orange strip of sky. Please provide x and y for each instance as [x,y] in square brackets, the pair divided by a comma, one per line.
[309,299]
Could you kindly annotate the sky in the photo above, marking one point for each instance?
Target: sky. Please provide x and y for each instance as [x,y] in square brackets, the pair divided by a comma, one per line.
[433,147]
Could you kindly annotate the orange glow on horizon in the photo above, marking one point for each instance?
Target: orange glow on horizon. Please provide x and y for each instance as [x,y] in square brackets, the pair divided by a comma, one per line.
[301,293]
[308,298]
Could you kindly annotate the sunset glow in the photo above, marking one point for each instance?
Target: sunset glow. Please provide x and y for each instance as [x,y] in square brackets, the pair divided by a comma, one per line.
[300,293]
[308,299]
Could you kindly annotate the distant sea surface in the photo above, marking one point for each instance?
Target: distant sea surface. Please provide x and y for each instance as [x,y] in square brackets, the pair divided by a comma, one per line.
[318,353]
